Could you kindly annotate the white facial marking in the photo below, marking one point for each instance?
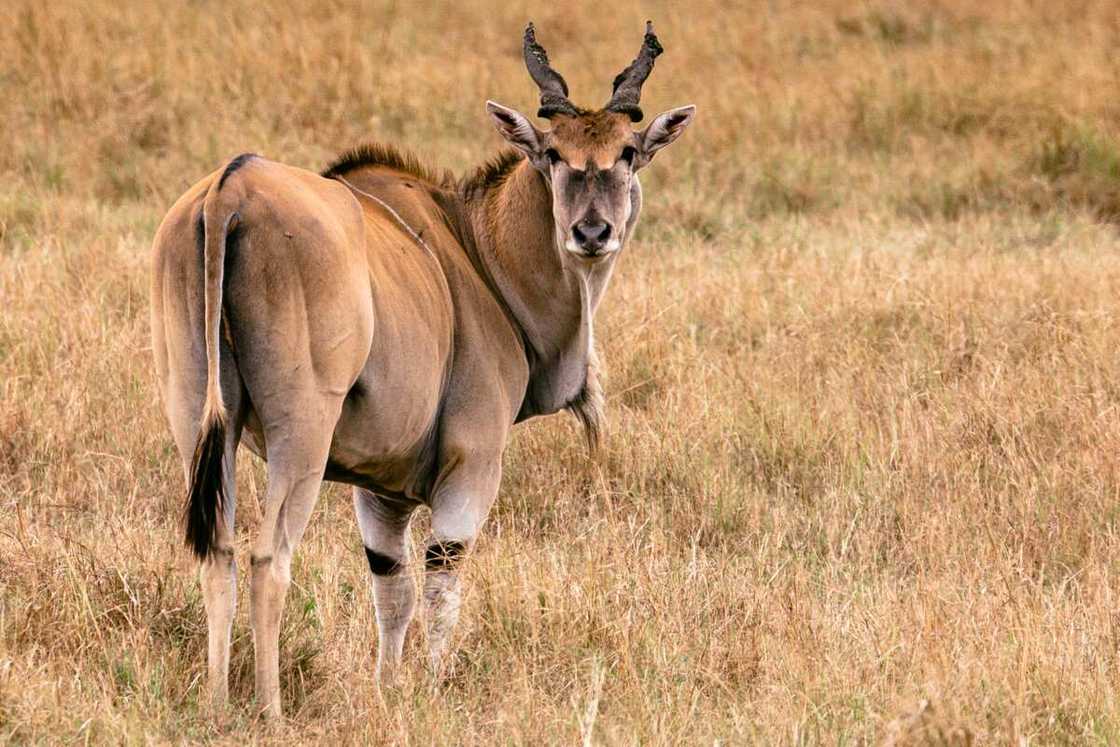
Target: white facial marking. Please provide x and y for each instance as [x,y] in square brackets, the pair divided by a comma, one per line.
[612,246]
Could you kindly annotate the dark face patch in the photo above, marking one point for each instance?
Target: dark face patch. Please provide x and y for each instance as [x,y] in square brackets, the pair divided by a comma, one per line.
[588,193]
[592,189]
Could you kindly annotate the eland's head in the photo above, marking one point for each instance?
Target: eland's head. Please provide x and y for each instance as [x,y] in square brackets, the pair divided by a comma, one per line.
[590,158]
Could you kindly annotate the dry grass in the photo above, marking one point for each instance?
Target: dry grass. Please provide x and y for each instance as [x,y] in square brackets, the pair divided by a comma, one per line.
[863,480]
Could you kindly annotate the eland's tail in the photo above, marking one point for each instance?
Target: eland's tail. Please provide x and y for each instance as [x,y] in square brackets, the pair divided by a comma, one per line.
[206,496]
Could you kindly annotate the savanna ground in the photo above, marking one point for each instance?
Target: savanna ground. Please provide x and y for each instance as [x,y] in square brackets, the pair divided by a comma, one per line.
[862,482]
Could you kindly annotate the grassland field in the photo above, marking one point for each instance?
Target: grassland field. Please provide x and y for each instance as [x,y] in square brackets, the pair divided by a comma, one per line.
[862,481]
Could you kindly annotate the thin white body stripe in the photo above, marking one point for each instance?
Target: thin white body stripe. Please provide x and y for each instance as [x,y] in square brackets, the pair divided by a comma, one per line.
[391,211]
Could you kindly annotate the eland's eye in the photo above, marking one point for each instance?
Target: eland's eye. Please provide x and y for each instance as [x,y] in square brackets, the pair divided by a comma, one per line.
[628,154]
[552,156]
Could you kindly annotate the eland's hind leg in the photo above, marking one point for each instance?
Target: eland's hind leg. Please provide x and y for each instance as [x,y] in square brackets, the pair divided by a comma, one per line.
[184,392]
[297,457]
[384,527]
[218,578]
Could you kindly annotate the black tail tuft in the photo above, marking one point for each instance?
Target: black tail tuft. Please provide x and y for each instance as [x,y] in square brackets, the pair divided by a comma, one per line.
[205,493]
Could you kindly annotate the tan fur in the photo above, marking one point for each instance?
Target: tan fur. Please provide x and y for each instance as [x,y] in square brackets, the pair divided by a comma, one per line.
[592,136]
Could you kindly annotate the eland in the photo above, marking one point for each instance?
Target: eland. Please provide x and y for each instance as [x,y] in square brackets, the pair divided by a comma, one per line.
[384,326]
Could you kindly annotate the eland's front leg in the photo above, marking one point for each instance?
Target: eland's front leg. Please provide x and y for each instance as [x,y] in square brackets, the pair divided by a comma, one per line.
[442,596]
[384,528]
[459,509]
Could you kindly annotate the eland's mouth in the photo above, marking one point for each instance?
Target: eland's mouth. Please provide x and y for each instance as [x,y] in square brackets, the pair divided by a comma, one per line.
[592,253]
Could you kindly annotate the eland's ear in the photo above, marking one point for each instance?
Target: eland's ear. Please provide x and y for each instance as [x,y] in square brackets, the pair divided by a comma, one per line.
[664,129]
[516,128]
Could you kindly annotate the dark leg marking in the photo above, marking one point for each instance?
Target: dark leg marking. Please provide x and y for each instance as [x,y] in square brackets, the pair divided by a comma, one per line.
[382,565]
[444,554]
[263,560]
[234,165]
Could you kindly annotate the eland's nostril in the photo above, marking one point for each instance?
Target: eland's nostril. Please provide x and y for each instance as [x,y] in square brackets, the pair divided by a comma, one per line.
[591,232]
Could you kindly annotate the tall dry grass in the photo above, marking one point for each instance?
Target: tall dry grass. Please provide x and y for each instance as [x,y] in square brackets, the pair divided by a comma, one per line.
[863,479]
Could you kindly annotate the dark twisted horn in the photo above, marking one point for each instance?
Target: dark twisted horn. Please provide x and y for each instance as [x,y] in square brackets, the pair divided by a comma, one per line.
[554,91]
[628,83]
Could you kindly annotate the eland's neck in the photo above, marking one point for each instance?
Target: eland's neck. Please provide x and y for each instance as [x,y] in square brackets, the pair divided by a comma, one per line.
[553,304]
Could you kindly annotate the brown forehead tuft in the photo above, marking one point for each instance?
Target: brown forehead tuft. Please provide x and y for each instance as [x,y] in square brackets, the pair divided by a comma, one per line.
[591,133]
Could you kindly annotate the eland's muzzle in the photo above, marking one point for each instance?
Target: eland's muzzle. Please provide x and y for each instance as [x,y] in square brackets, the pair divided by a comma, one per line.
[593,237]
